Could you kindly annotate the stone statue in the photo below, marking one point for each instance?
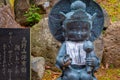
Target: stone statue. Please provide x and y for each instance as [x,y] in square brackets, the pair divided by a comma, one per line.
[76,57]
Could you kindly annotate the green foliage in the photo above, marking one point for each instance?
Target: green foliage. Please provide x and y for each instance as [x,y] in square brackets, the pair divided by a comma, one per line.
[33,15]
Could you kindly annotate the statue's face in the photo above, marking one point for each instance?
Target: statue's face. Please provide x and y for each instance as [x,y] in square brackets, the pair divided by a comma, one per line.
[77,30]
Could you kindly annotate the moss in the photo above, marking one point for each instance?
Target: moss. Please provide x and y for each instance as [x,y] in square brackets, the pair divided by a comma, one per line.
[108,74]
[113,8]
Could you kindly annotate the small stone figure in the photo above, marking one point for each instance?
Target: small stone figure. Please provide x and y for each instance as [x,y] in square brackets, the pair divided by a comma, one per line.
[76,24]
[76,57]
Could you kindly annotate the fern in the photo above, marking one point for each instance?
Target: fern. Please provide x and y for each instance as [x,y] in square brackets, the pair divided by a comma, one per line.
[33,15]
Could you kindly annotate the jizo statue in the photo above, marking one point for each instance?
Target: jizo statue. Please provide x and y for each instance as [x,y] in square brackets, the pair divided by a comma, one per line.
[76,24]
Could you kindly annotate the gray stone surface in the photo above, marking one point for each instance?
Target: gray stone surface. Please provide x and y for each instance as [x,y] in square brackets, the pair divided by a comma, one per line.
[38,65]
[112,45]
[42,42]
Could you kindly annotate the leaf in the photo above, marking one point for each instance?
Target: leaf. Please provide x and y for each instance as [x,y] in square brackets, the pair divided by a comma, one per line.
[32,15]
[12,2]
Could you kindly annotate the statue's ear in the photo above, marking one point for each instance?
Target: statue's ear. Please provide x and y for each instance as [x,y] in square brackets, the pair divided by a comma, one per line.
[62,15]
[94,16]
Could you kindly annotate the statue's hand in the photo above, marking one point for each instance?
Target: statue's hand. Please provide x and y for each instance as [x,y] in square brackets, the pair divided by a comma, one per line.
[89,65]
[90,62]
[67,60]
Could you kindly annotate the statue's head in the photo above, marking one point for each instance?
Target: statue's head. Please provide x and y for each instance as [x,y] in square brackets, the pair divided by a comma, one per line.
[78,5]
[78,24]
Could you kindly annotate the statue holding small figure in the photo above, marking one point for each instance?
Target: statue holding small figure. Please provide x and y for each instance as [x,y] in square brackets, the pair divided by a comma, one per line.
[76,57]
